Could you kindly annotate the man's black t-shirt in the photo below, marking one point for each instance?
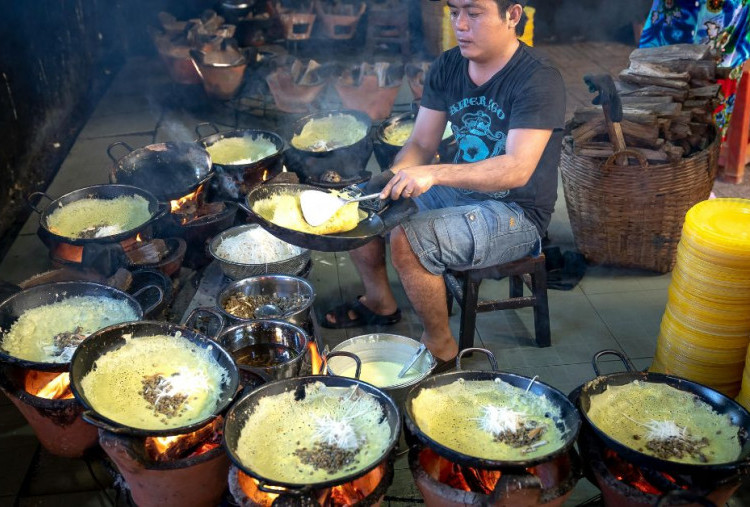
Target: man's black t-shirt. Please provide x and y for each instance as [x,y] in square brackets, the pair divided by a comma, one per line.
[528,93]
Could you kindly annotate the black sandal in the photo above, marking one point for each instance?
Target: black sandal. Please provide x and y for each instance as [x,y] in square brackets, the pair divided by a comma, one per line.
[444,366]
[365,316]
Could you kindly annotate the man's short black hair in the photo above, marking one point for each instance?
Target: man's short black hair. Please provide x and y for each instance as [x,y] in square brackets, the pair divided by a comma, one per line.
[504,5]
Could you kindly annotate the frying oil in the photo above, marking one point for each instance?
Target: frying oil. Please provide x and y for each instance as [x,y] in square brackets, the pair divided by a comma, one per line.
[381,373]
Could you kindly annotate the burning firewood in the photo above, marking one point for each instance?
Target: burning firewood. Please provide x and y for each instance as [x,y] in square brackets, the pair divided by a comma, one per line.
[180,446]
[148,252]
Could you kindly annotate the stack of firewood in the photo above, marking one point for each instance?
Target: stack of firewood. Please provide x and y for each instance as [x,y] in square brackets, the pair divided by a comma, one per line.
[668,95]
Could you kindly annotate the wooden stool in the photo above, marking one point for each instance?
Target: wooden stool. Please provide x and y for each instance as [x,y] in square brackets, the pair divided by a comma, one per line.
[529,271]
[388,26]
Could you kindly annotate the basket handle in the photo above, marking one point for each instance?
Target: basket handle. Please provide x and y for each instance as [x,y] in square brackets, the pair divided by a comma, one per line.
[610,162]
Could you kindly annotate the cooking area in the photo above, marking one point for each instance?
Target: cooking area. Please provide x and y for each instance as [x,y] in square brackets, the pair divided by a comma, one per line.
[190,312]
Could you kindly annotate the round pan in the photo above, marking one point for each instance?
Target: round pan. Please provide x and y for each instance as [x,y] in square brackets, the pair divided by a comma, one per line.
[110,191]
[569,423]
[374,225]
[14,306]
[719,402]
[240,411]
[111,338]
[169,170]
[247,175]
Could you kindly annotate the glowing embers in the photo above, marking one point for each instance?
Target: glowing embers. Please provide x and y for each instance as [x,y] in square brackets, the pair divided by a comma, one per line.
[48,385]
[194,208]
[443,482]
[367,489]
[189,445]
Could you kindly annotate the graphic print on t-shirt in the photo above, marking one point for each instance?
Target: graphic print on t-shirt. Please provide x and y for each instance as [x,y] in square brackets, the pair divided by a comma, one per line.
[475,139]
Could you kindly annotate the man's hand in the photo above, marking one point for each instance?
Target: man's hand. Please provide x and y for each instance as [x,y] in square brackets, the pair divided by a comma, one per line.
[410,182]
[378,181]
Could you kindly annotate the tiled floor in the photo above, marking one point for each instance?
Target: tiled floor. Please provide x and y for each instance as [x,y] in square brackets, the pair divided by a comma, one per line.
[610,309]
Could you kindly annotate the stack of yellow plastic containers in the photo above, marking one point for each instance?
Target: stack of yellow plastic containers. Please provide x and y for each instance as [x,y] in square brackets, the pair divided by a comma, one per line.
[706,326]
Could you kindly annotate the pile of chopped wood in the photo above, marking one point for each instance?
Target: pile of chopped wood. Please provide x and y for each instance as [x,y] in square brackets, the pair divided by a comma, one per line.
[668,95]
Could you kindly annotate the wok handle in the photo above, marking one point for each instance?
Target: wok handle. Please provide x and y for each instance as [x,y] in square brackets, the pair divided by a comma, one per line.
[117,143]
[32,196]
[195,314]
[153,306]
[205,124]
[343,353]
[160,212]
[490,357]
[629,366]
[680,496]
[92,418]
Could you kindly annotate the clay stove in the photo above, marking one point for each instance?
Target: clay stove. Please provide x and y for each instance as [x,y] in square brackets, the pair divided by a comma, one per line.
[47,403]
[624,484]
[447,484]
[196,222]
[179,470]
[368,489]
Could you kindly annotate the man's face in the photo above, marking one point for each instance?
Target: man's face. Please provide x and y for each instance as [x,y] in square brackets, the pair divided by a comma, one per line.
[480,30]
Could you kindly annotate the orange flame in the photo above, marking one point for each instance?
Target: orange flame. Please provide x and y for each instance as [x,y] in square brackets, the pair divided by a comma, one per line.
[315,359]
[138,237]
[48,385]
[191,197]
[162,444]
[265,174]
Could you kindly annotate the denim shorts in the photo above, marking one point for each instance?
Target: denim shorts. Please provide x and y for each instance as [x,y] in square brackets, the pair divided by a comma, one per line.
[460,230]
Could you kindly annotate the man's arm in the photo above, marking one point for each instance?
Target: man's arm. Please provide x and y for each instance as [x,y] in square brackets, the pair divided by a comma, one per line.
[424,140]
[523,150]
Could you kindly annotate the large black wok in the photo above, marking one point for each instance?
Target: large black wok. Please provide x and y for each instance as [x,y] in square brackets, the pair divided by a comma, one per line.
[95,192]
[719,402]
[240,411]
[14,306]
[112,338]
[385,152]
[374,225]
[234,180]
[169,170]
[348,161]
[569,423]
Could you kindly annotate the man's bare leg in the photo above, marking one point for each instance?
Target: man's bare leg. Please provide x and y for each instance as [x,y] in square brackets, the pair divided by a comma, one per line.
[369,260]
[427,295]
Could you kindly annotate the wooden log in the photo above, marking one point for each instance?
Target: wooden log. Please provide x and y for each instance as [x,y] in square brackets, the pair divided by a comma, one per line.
[585,114]
[641,135]
[673,152]
[704,91]
[650,91]
[636,101]
[651,155]
[651,69]
[629,77]
[589,130]
[693,52]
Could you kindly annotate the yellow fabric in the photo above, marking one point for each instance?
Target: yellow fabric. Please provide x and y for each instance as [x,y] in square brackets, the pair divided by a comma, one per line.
[448,39]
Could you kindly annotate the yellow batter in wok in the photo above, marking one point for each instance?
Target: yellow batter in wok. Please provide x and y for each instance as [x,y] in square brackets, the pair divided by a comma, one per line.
[284,210]
[156,382]
[489,419]
[644,415]
[299,441]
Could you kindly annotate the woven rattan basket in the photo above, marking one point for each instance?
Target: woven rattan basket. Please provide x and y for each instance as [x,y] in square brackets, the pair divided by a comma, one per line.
[631,216]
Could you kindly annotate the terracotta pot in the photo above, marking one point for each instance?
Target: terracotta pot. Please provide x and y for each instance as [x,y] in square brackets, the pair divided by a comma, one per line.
[289,96]
[368,97]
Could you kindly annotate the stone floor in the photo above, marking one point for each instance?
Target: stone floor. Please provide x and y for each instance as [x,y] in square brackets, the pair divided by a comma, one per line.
[609,309]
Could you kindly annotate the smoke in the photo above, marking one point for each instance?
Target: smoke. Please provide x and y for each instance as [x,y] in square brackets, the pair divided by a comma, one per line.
[589,20]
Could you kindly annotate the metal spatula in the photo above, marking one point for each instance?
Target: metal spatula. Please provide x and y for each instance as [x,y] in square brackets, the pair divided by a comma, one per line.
[318,206]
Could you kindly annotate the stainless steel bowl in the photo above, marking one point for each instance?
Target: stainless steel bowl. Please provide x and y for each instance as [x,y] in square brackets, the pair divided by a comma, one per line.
[294,266]
[272,285]
[390,348]
[239,337]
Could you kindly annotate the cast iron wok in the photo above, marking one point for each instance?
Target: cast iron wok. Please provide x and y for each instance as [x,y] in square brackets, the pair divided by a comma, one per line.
[235,179]
[374,225]
[240,411]
[14,306]
[569,423]
[719,402]
[112,338]
[97,192]
[169,170]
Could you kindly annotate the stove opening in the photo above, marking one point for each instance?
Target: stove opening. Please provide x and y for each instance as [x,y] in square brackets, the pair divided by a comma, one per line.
[194,208]
[48,385]
[188,445]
